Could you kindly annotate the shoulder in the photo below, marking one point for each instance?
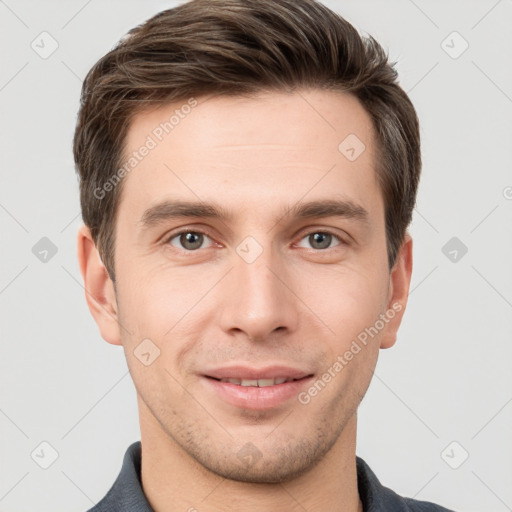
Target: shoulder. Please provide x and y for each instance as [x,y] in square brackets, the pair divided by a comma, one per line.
[126,494]
[377,498]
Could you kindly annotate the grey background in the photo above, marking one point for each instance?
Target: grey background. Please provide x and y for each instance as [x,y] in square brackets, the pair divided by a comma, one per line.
[448,377]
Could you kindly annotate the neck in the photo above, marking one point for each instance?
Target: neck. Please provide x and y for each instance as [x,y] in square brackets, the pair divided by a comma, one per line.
[173,481]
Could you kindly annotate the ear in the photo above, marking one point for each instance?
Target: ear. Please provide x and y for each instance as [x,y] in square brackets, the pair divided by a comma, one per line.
[99,288]
[399,282]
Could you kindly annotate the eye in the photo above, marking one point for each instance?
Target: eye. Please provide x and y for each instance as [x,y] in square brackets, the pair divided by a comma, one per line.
[321,240]
[188,240]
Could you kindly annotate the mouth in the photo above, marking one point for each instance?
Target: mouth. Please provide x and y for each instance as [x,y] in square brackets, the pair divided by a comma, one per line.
[261,383]
[249,388]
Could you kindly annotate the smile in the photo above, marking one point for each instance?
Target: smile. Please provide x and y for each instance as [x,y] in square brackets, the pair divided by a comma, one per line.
[256,393]
[261,383]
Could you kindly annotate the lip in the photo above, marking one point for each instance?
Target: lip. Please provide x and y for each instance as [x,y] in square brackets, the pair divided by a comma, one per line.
[253,397]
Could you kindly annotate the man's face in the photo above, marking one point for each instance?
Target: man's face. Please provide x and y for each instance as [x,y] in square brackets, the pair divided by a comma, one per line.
[259,293]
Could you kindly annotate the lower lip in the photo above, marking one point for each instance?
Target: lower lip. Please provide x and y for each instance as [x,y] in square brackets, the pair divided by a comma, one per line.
[254,397]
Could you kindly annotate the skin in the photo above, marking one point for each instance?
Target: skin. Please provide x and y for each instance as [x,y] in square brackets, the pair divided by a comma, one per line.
[299,303]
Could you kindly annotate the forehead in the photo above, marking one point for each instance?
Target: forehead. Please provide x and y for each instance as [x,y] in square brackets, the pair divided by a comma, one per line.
[267,149]
[329,115]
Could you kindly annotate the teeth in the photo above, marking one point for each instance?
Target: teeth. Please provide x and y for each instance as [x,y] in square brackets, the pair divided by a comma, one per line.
[257,382]
[265,382]
[248,382]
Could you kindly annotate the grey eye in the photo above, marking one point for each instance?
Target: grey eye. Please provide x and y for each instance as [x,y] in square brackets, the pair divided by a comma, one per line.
[320,240]
[188,240]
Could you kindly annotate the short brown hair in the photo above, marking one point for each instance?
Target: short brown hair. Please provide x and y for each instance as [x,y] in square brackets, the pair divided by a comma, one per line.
[239,47]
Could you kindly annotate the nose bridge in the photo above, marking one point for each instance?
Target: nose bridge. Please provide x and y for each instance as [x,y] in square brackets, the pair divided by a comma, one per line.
[259,301]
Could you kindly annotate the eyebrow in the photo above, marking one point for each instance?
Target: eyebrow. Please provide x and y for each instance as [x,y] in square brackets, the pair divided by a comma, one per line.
[168,210]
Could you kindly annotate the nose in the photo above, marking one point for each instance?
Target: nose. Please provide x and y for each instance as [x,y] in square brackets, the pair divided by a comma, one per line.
[260,301]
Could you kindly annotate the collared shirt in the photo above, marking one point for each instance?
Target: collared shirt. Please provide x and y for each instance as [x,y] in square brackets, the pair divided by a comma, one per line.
[126,494]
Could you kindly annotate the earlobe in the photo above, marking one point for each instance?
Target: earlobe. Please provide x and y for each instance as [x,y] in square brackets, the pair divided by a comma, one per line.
[99,288]
[400,280]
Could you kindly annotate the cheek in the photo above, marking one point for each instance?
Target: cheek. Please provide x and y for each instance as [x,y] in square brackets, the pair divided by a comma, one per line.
[154,300]
[348,300]
[171,308]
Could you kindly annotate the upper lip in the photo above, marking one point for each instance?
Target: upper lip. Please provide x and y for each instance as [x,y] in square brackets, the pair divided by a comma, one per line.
[251,373]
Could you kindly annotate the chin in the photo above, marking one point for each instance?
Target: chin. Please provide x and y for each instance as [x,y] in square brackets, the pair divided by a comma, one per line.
[249,465]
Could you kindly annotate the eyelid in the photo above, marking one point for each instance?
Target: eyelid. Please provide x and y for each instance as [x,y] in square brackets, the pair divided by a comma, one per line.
[324,231]
[166,239]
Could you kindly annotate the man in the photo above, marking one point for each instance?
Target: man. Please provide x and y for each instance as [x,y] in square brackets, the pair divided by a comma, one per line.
[248,170]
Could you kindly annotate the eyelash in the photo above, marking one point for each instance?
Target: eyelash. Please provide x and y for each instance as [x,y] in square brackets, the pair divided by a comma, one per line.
[199,231]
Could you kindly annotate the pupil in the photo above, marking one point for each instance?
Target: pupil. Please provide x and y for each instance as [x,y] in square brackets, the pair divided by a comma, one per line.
[191,240]
[323,238]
